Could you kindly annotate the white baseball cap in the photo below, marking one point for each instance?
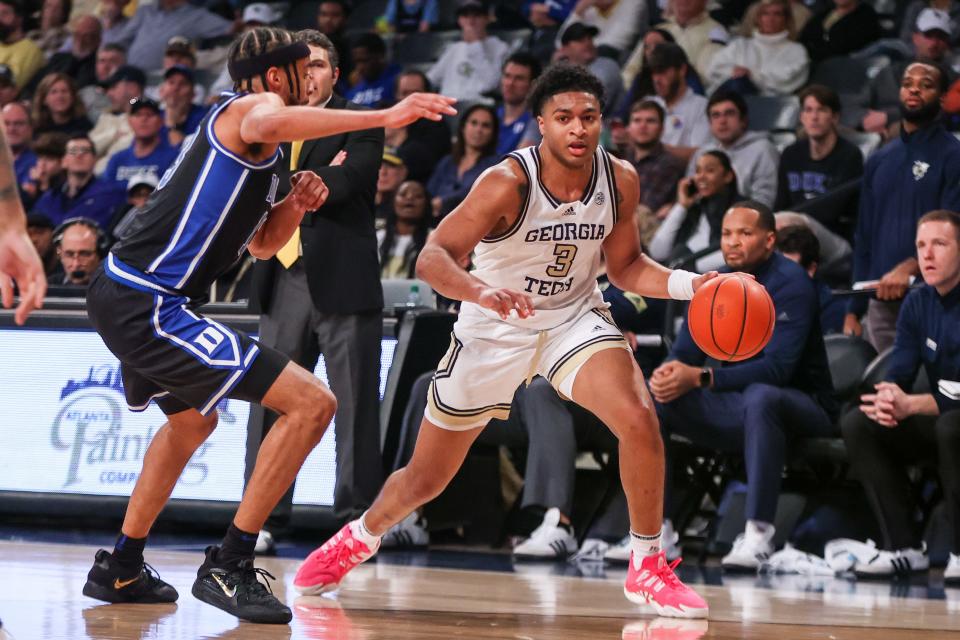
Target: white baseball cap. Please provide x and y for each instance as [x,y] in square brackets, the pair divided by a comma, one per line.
[260,12]
[147,178]
[934,20]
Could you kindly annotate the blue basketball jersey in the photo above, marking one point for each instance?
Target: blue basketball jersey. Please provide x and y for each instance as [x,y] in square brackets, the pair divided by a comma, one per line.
[199,221]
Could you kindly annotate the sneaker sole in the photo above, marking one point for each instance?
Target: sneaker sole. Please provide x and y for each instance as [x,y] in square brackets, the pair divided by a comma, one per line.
[666,612]
[214,599]
[106,594]
[887,572]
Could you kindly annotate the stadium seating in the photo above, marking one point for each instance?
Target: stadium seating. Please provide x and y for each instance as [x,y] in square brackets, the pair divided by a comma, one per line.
[848,75]
[773,113]
[422,47]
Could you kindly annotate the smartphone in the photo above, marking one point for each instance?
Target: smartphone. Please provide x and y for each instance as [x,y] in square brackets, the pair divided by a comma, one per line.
[691,188]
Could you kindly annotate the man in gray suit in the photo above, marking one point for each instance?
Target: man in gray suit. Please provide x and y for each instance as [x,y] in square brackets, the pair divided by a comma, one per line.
[322,294]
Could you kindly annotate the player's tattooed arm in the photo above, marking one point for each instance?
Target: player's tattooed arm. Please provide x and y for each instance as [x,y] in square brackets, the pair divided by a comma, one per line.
[8,180]
[19,262]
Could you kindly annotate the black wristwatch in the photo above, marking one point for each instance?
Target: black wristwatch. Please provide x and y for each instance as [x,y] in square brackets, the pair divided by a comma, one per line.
[706,377]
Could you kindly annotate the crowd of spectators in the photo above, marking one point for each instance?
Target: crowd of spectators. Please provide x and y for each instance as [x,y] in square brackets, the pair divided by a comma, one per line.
[136,78]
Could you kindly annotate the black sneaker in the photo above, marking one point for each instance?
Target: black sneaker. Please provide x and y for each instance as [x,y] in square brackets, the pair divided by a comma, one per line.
[106,582]
[236,589]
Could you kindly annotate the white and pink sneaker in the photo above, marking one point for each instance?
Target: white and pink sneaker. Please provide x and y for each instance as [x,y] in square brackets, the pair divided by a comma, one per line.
[323,569]
[656,584]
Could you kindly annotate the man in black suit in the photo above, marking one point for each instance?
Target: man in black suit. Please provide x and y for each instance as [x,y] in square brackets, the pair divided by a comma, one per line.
[322,294]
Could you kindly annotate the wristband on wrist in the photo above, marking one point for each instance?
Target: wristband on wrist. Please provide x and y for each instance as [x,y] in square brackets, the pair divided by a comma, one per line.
[680,284]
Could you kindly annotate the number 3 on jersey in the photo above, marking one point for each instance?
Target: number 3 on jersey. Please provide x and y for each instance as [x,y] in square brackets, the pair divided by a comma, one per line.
[565,254]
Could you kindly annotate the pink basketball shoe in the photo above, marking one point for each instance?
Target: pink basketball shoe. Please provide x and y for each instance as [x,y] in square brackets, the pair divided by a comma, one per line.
[656,584]
[323,569]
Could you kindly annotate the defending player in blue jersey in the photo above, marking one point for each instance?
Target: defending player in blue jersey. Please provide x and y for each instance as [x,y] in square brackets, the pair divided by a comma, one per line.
[214,203]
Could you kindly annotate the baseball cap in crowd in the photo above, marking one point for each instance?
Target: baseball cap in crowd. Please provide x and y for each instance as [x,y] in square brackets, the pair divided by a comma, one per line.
[142,179]
[578,31]
[127,73]
[186,72]
[390,157]
[260,13]
[39,220]
[934,20]
[180,45]
[6,76]
[472,6]
[143,102]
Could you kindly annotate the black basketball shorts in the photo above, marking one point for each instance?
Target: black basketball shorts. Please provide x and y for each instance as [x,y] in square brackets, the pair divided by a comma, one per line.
[174,356]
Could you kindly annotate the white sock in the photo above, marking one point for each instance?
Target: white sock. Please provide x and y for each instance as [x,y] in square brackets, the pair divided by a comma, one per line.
[359,530]
[643,546]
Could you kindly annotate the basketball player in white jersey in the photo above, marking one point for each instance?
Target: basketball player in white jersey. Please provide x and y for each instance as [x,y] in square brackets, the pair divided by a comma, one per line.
[539,222]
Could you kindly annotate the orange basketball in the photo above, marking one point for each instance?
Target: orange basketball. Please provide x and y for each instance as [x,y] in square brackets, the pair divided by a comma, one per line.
[731,318]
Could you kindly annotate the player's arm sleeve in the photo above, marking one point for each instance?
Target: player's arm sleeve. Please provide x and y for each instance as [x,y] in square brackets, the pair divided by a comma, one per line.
[907,345]
[796,307]
[364,152]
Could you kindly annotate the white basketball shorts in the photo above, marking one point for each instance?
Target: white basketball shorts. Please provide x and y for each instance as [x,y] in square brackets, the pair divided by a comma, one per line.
[488,359]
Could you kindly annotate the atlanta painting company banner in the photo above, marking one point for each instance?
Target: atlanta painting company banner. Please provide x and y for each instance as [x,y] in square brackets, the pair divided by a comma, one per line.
[65,426]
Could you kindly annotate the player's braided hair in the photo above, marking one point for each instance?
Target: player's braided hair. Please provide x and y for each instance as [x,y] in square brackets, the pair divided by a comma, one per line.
[256,42]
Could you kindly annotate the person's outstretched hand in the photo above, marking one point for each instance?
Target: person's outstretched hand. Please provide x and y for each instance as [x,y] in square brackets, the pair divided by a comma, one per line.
[20,264]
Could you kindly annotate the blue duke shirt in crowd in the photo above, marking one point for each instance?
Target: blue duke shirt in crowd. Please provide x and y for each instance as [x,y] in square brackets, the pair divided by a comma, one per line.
[928,334]
[125,164]
[22,165]
[511,134]
[801,178]
[795,356]
[96,200]
[912,175]
[375,93]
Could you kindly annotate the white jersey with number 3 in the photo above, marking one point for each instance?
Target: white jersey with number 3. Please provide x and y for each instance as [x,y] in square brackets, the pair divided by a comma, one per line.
[553,250]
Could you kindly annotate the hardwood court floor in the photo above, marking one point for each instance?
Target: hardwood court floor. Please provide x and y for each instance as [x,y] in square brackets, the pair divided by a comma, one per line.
[40,599]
